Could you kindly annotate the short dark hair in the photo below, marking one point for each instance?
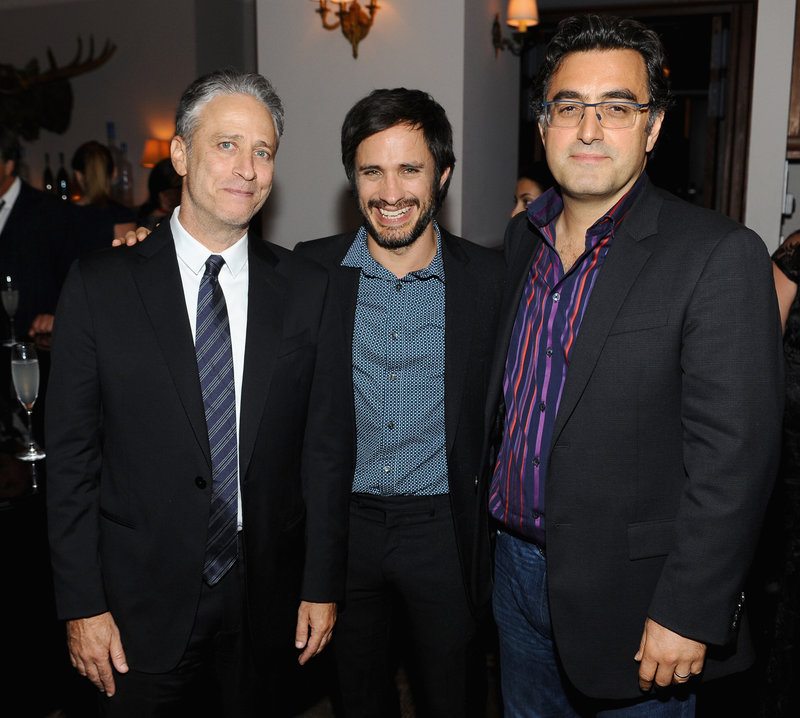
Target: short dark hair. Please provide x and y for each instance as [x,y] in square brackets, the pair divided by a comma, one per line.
[9,147]
[581,33]
[382,109]
[225,82]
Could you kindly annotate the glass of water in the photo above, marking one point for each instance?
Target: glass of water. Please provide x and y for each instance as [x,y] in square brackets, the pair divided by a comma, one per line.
[10,297]
[25,375]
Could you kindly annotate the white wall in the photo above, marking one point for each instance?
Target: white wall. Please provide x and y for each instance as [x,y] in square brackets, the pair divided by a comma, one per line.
[414,43]
[769,118]
[138,87]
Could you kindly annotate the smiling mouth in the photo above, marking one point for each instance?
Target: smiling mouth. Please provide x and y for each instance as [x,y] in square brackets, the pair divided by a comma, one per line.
[394,213]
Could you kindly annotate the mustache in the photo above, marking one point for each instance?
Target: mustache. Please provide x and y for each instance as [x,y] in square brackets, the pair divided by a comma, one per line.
[400,204]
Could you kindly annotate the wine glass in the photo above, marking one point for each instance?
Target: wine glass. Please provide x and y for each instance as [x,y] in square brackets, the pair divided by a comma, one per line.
[10,298]
[25,375]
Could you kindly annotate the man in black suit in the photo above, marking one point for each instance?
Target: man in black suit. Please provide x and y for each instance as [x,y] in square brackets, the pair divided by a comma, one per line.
[36,246]
[419,306]
[197,455]
[637,391]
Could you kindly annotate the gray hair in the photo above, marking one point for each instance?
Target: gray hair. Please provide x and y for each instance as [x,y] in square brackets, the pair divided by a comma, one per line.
[225,82]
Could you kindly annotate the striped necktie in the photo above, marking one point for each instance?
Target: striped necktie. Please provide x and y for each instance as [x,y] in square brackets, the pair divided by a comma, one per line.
[215,366]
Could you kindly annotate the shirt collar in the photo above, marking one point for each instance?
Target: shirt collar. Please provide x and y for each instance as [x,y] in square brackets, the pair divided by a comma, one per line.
[546,208]
[359,256]
[194,255]
[11,194]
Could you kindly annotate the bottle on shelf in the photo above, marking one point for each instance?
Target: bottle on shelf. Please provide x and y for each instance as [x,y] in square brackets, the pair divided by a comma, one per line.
[23,171]
[62,179]
[125,176]
[116,155]
[48,181]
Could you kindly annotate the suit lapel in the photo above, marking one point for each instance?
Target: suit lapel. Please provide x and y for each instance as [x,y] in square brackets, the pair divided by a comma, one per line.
[266,302]
[158,279]
[623,263]
[458,330]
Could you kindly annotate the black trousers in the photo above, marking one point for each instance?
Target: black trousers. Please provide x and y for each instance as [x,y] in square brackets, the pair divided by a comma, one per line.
[403,547]
[214,678]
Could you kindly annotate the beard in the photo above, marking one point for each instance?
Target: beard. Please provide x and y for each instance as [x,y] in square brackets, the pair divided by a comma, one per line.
[396,238]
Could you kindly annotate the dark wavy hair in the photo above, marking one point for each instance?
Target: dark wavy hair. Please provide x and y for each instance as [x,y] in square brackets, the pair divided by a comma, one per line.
[382,109]
[581,33]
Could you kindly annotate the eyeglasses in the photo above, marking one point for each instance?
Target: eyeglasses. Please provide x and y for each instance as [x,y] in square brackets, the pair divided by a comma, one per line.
[613,114]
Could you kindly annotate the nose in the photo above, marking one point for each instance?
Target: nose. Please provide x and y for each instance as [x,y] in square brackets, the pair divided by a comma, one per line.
[590,128]
[245,166]
[390,190]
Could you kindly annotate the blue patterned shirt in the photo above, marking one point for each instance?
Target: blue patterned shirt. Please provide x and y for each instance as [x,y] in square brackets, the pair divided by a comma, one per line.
[398,376]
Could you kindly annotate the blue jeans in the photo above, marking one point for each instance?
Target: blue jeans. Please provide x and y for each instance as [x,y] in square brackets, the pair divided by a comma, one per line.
[532,680]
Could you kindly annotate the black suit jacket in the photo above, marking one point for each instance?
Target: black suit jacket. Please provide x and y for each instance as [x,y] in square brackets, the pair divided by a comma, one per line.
[473,285]
[666,440]
[36,249]
[129,471]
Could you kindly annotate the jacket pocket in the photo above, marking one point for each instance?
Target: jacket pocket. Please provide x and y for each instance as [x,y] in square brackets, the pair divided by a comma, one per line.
[639,322]
[648,539]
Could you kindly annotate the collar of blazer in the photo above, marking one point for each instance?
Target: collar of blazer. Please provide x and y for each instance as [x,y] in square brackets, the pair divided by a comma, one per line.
[158,278]
[622,265]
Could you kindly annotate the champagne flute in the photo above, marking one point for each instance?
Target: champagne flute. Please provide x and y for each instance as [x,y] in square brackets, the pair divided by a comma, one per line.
[25,375]
[10,298]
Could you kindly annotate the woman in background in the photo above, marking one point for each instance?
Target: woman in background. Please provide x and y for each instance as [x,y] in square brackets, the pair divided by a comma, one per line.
[783,662]
[98,218]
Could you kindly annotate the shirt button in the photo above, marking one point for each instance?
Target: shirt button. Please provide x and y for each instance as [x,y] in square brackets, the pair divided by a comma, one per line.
[398,285]
[536,461]
[535,515]
[392,375]
[394,335]
[390,425]
[556,296]
[542,406]
[549,351]
[387,469]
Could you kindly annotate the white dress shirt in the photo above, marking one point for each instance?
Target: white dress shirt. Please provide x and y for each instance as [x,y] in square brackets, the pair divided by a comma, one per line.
[9,198]
[233,278]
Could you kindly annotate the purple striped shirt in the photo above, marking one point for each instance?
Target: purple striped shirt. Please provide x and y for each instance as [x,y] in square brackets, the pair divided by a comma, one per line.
[549,317]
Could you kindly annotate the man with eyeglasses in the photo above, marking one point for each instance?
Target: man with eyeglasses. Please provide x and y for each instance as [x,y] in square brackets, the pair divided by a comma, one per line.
[636,395]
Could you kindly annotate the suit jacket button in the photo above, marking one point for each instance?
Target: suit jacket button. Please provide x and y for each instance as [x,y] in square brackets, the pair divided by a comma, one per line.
[200,482]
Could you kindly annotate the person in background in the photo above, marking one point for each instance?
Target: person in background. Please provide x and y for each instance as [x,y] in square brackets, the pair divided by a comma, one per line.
[532,181]
[98,218]
[36,245]
[637,394]
[164,194]
[780,696]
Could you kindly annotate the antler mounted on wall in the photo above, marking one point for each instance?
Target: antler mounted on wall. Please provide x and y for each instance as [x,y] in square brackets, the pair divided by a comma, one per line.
[32,100]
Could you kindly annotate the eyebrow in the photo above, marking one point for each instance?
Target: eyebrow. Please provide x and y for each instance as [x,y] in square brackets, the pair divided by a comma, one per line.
[617,94]
[224,136]
[403,165]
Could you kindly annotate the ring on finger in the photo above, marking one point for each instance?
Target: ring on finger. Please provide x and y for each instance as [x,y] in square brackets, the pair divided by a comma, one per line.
[680,677]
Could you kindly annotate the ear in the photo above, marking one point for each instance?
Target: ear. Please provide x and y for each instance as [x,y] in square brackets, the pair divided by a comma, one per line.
[652,136]
[179,153]
[444,177]
[542,132]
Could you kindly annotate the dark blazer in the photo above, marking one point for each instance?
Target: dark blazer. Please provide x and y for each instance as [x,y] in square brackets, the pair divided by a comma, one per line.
[129,471]
[473,285]
[666,440]
[36,249]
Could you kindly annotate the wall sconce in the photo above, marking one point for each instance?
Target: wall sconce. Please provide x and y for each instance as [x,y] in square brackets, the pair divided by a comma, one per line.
[521,15]
[353,19]
[154,151]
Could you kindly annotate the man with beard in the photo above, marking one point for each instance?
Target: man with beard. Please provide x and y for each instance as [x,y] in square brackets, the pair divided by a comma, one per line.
[420,308]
